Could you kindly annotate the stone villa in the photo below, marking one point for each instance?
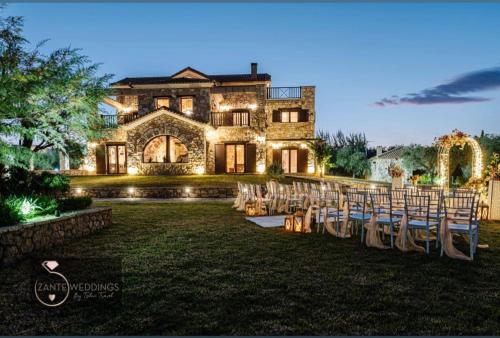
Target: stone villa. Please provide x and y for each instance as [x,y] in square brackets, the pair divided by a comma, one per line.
[193,123]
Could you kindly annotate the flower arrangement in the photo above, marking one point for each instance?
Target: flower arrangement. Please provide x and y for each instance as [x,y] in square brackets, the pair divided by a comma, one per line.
[395,170]
[456,138]
[476,184]
[494,167]
[414,179]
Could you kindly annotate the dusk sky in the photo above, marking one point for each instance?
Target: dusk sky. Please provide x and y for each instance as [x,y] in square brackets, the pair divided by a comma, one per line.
[401,73]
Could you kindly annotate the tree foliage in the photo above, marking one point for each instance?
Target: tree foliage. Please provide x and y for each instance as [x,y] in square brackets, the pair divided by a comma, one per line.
[421,158]
[353,161]
[46,101]
[322,151]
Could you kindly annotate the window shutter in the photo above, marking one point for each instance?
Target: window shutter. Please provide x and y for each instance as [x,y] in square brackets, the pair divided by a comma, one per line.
[220,167]
[276,155]
[302,160]
[276,116]
[100,159]
[303,115]
[251,157]
[228,118]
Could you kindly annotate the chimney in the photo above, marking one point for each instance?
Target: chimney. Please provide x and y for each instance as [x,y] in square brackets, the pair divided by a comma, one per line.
[379,150]
[253,67]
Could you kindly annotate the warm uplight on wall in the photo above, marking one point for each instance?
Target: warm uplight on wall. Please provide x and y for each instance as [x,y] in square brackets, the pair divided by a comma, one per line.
[261,168]
[303,145]
[310,169]
[78,191]
[276,145]
[200,170]
[211,134]
[188,112]
[187,190]
[126,110]
[92,145]
[260,139]
[373,186]
[89,167]
[131,190]
[224,107]
[132,170]
[252,106]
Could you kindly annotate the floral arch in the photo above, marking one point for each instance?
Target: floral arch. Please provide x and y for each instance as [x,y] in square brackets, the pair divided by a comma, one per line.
[460,139]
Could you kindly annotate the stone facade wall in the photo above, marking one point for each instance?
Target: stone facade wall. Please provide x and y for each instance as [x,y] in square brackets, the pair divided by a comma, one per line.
[261,130]
[297,130]
[379,170]
[193,137]
[19,240]
[146,99]
[159,192]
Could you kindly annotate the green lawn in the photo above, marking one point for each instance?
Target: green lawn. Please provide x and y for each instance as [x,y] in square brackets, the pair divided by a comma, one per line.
[191,269]
[149,181]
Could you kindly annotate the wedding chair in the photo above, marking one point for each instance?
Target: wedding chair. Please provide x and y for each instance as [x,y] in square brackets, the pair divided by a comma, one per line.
[332,212]
[357,210]
[382,205]
[461,215]
[417,210]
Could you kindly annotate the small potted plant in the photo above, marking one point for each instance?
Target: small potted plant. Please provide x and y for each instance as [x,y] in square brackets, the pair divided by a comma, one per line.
[396,174]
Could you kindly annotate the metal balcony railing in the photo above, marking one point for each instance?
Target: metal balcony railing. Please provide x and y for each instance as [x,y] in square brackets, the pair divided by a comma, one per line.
[109,121]
[284,93]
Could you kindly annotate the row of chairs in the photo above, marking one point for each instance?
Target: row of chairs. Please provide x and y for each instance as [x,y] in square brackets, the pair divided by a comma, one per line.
[424,210]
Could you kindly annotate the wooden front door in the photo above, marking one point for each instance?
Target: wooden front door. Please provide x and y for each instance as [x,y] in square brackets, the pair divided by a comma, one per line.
[117,159]
[235,158]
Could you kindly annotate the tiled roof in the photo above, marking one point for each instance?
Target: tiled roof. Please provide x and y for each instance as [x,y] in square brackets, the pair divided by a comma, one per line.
[393,154]
[169,79]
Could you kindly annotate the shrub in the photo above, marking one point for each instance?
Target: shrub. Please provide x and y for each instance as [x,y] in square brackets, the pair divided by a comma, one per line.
[26,207]
[18,181]
[8,216]
[75,203]
[275,170]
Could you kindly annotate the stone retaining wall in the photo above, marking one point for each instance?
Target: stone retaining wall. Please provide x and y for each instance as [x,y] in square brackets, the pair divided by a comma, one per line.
[19,240]
[156,192]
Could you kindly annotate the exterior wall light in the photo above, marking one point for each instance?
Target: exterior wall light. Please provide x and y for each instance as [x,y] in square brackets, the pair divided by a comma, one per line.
[260,139]
[310,169]
[200,170]
[303,145]
[131,190]
[252,106]
[261,168]
[211,134]
[224,107]
[132,170]
[187,190]
[188,112]
[276,145]
[89,167]
[78,191]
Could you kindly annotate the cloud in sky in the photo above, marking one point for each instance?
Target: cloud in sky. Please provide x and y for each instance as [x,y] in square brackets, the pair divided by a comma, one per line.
[451,92]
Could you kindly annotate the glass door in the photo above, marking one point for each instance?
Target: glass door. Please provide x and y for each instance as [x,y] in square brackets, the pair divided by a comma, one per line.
[289,160]
[117,159]
[235,158]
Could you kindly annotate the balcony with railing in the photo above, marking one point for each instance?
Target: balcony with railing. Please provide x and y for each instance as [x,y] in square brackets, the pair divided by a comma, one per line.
[109,121]
[284,93]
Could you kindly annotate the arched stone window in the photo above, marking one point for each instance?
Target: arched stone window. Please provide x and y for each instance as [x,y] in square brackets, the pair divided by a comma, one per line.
[165,149]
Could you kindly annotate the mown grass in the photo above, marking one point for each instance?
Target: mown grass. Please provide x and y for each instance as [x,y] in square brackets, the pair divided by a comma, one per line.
[197,269]
[148,181]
